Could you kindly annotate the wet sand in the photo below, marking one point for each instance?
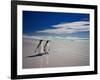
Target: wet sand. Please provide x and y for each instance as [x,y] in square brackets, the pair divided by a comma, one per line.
[63,53]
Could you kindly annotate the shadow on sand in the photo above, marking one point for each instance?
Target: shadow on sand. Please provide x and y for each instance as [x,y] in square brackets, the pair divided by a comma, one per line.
[39,54]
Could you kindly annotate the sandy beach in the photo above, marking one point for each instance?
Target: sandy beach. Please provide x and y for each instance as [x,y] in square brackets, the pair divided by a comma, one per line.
[63,53]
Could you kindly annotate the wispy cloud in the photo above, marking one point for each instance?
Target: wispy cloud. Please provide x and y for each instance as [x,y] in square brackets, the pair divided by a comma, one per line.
[67,28]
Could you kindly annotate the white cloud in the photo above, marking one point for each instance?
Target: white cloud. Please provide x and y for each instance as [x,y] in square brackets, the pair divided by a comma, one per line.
[66,28]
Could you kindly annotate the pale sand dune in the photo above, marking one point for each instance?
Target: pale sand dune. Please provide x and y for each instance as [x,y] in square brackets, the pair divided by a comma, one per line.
[62,54]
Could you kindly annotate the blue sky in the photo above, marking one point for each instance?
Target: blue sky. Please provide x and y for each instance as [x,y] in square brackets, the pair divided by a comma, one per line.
[37,23]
